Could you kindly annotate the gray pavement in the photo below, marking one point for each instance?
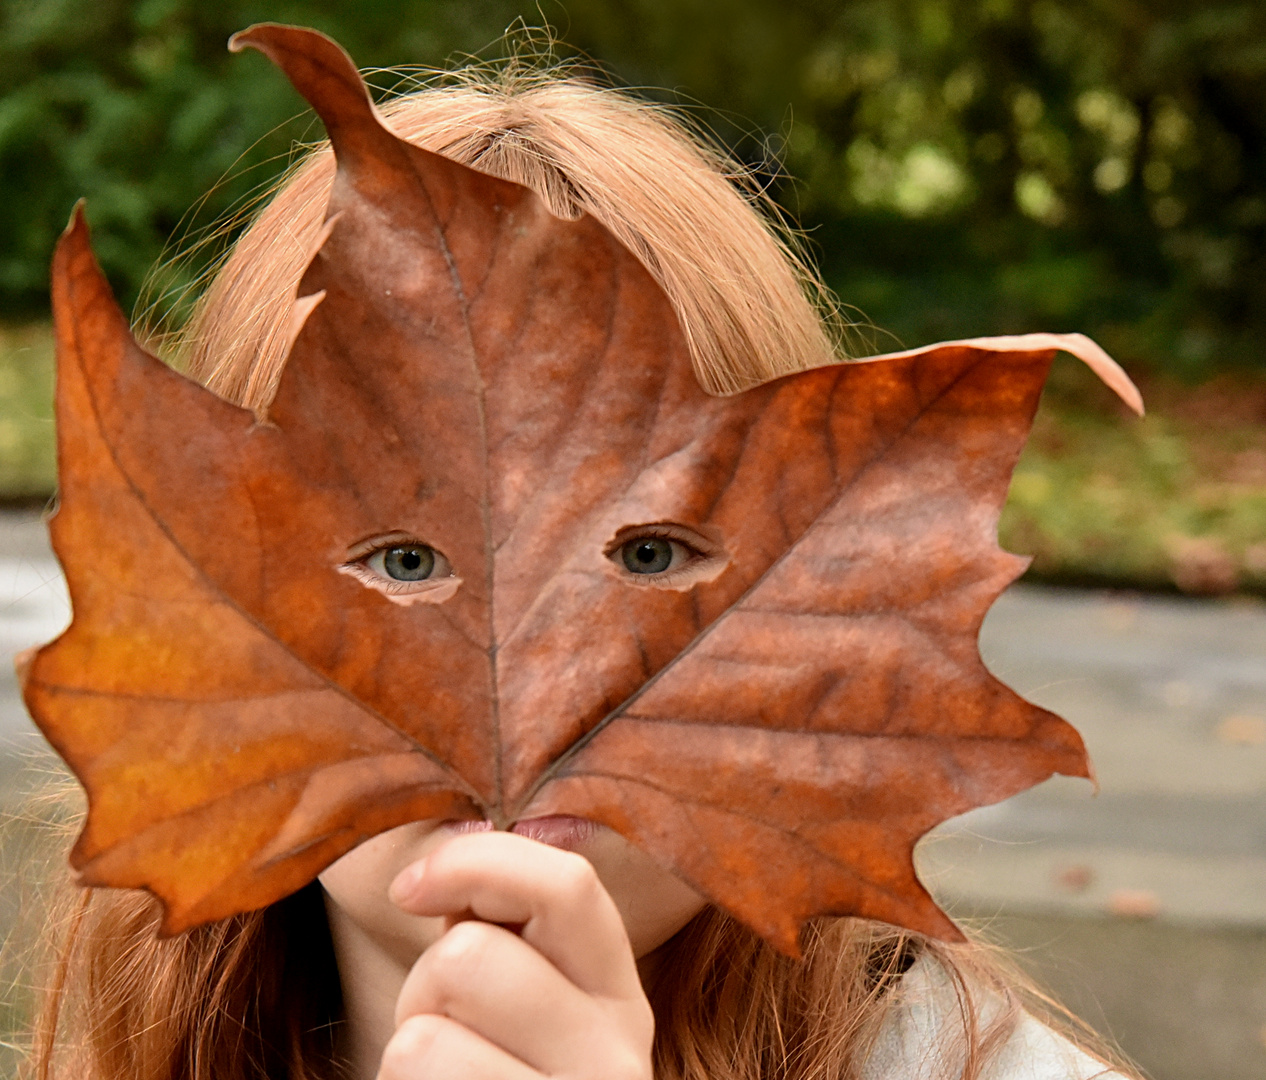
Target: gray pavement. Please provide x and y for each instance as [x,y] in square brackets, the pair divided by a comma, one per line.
[34,608]
[1170,696]
[1144,906]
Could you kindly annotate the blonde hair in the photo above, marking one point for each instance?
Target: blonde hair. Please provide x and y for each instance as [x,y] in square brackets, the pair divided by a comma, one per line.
[236,1001]
[746,296]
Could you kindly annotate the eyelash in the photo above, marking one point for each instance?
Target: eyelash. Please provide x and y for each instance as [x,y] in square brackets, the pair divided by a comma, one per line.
[696,553]
[391,586]
[675,534]
[359,568]
[662,532]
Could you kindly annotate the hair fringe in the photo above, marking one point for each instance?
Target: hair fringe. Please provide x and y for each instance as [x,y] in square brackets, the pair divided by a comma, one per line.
[751,308]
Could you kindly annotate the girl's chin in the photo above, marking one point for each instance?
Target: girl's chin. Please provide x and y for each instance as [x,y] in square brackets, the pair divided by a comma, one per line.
[557,830]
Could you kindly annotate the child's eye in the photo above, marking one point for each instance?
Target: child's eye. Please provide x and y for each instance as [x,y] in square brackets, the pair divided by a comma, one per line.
[654,555]
[404,570]
[410,562]
[665,554]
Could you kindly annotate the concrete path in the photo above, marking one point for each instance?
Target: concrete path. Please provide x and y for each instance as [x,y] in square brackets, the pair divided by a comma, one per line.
[34,608]
[1170,696]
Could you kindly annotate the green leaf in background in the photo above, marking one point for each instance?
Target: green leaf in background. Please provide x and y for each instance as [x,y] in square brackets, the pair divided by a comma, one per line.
[962,166]
[1177,499]
[28,460]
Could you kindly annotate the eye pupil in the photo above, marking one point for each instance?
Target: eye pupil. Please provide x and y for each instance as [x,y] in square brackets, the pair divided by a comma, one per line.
[647,555]
[413,563]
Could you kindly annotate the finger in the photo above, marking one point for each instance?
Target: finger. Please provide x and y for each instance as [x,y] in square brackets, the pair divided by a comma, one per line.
[565,912]
[430,1047]
[497,985]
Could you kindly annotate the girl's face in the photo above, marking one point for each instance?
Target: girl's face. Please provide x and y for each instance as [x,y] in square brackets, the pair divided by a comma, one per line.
[653,903]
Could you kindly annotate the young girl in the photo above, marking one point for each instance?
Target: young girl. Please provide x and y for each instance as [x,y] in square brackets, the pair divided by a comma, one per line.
[438,950]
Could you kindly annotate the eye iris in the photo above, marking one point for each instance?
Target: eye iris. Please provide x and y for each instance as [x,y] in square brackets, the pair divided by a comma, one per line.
[647,555]
[413,563]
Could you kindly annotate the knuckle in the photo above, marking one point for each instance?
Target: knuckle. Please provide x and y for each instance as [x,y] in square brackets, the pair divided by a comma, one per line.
[445,860]
[460,951]
[576,876]
[636,1020]
[627,1064]
[409,1048]
[642,1023]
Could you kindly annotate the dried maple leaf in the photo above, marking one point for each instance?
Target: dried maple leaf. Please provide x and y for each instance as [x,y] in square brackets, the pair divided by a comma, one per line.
[778,722]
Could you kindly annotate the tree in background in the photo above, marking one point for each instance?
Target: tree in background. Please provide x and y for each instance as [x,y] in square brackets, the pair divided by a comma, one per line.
[138,106]
[961,167]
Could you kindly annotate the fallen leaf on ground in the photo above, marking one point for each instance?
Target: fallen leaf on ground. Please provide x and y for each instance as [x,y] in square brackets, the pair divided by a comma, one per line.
[1202,565]
[1242,730]
[1076,878]
[1134,903]
[1255,559]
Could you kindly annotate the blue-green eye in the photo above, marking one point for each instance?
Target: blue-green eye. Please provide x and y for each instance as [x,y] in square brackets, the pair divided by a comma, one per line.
[652,554]
[414,562]
[405,570]
[407,563]
[665,554]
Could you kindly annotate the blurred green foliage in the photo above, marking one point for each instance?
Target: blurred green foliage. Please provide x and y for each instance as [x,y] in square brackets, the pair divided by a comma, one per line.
[28,461]
[1176,500]
[138,106]
[961,167]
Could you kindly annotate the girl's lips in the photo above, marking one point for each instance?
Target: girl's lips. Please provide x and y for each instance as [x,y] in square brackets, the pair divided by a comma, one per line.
[557,830]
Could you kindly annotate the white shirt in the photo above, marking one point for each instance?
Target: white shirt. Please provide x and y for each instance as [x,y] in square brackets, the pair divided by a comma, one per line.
[921,1039]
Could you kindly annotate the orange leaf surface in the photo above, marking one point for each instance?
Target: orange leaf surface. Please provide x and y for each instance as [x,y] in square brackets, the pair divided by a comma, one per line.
[778,722]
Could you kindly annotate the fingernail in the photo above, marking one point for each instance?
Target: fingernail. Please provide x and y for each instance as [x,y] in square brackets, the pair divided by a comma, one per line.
[407,882]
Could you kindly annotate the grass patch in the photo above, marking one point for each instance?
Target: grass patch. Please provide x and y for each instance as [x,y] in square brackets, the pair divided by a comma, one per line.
[1174,501]
[28,458]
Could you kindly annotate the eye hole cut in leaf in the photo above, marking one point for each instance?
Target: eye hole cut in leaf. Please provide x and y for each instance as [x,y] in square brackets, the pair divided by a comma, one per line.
[509,395]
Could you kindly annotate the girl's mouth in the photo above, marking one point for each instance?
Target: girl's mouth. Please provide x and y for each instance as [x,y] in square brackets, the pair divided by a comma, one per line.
[557,830]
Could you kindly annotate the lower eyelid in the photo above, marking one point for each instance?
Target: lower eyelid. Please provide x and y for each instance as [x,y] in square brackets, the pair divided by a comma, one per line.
[428,591]
[392,586]
[360,569]
[695,563]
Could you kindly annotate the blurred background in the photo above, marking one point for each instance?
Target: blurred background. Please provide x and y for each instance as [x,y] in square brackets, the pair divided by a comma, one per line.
[959,168]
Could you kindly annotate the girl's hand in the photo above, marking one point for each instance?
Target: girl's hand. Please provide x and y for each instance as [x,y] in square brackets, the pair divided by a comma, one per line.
[561,998]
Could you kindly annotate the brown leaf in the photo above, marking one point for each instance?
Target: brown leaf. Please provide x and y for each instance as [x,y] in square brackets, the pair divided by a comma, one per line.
[779,722]
[1076,878]
[1202,565]
[1242,730]
[1134,903]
